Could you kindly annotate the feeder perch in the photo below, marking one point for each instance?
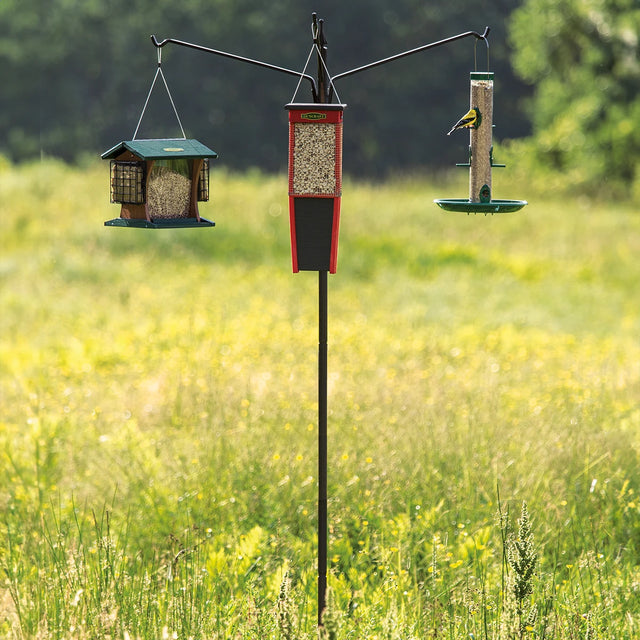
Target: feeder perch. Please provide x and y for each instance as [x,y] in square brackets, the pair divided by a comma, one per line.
[159,182]
[315,184]
[481,156]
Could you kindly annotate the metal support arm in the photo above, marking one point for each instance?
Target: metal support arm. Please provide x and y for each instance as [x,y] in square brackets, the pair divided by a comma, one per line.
[233,56]
[404,54]
[321,90]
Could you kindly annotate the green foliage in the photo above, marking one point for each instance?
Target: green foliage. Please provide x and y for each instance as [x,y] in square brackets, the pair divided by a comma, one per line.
[584,59]
[76,75]
[522,557]
[520,614]
[158,431]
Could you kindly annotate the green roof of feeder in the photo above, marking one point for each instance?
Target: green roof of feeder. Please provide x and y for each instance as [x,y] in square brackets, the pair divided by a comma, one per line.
[162,148]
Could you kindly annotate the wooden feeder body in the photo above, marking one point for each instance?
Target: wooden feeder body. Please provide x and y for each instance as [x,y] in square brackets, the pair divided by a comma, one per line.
[158,183]
[315,185]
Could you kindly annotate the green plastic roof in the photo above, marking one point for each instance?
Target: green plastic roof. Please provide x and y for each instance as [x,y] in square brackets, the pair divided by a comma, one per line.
[161,148]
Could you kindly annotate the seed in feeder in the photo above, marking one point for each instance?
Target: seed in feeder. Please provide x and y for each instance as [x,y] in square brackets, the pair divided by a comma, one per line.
[168,194]
[314,159]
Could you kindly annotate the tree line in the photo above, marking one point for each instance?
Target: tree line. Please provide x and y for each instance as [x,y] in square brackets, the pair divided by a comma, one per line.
[76,73]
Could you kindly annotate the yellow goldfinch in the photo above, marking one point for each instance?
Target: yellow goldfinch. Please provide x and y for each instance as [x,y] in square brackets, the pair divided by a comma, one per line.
[467,121]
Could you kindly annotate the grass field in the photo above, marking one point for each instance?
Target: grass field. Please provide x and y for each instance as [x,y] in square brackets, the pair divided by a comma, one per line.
[158,421]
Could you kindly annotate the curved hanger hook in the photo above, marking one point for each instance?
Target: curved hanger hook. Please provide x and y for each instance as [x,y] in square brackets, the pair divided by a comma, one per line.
[157,43]
[475,47]
[483,36]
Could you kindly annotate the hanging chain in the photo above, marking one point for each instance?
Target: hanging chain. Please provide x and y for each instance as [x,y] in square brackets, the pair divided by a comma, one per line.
[166,86]
[306,64]
[314,47]
[475,51]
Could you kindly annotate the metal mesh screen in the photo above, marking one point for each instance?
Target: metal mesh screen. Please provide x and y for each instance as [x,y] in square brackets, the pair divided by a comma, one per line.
[315,166]
[203,181]
[127,182]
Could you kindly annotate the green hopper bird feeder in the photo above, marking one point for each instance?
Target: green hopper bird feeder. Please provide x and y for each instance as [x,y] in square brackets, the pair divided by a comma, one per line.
[159,182]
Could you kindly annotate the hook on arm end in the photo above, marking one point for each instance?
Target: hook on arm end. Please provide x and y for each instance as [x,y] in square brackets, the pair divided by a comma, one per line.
[157,43]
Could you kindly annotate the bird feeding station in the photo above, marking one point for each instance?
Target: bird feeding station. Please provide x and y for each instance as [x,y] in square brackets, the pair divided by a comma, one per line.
[158,183]
[315,185]
[479,121]
[314,190]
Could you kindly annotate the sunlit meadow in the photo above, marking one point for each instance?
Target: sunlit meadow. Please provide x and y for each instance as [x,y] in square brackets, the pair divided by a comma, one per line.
[158,417]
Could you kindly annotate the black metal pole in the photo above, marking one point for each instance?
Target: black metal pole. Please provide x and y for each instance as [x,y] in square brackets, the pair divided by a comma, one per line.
[322,96]
[323,315]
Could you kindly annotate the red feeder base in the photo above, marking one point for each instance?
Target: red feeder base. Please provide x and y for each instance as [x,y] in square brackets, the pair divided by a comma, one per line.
[315,226]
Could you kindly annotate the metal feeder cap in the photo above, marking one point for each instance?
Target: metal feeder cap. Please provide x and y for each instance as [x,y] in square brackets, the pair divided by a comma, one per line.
[481,75]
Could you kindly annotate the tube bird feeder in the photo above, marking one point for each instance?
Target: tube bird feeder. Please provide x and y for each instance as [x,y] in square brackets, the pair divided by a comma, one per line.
[481,138]
[315,184]
[481,155]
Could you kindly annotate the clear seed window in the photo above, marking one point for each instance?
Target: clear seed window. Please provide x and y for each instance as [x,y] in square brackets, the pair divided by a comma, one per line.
[315,149]
[169,189]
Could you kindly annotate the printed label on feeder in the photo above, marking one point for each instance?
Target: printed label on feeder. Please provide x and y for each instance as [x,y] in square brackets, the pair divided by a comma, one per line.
[173,149]
[313,115]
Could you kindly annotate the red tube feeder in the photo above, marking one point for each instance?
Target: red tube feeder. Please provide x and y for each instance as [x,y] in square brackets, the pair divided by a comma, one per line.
[315,184]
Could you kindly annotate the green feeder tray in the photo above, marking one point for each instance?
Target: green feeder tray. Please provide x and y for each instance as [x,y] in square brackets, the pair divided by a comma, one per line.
[491,206]
[171,223]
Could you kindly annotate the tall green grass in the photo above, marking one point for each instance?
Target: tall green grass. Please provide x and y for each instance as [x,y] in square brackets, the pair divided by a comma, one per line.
[158,423]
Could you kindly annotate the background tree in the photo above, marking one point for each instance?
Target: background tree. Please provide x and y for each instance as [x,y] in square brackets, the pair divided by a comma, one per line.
[75,74]
[583,56]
